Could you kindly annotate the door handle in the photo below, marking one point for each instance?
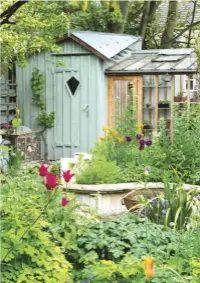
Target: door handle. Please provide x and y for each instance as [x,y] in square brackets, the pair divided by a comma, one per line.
[86,108]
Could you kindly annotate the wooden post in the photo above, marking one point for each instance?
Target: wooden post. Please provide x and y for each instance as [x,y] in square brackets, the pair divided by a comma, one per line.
[172,107]
[110,102]
[156,102]
[140,100]
[188,90]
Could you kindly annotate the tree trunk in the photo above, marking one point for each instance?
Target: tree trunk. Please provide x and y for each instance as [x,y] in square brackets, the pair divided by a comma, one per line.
[150,8]
[170,25]
[119,27]
[144,20]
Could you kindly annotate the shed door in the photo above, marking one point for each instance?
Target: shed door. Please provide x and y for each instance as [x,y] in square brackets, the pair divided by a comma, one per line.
[71,108]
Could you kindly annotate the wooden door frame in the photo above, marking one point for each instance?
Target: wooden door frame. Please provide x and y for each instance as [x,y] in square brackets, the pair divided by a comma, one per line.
[137,99]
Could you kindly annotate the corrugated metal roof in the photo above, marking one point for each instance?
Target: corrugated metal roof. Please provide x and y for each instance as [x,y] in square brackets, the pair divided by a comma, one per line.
[108,44]
[157,61]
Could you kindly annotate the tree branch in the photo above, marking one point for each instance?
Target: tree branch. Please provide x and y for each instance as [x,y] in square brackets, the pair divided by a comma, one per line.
[183,31]
[192,21]
[10,11]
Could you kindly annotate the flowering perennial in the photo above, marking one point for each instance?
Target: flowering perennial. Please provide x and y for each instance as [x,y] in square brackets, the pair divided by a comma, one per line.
[149,268]
[43,170]
[64,201]
[67,175]
[51,181]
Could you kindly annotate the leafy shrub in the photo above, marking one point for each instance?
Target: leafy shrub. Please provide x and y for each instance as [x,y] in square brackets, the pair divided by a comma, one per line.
[28,255]
[112,251]
[99,172]
[112,239]
[174,208]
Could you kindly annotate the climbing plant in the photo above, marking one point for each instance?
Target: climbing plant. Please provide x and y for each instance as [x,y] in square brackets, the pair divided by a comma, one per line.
[37,84]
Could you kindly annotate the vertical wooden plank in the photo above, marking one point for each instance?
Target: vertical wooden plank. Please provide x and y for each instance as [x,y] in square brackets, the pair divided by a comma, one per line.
[110,102]
[135,89]
[172,92]
[140,100]
[156,102]
[188,90]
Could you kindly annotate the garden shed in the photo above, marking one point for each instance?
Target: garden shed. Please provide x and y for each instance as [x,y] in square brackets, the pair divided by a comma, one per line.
[76,92]
[101,71]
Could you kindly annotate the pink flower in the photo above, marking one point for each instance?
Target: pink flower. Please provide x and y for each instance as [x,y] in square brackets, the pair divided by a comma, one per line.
[43,170]
[51,181]
[67,175]
[64,201]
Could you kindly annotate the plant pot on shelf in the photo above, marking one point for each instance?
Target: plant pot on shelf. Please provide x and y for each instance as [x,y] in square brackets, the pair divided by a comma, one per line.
[147,127]
[163,105]
[177,98]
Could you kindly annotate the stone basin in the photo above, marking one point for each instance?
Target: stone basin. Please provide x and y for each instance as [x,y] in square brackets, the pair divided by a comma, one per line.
[109,199]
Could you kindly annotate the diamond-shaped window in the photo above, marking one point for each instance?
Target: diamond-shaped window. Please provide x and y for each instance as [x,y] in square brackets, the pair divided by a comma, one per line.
[73,84]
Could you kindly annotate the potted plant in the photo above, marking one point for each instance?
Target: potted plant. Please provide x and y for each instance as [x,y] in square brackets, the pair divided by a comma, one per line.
[16,122]
[179,97]
[164,104]
[147,124]
[148,105]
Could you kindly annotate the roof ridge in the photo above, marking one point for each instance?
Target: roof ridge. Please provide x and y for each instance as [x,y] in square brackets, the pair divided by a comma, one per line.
[104,33]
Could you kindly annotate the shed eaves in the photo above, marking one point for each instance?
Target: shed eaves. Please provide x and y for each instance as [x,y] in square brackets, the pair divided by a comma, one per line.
[157,61]
[107,44]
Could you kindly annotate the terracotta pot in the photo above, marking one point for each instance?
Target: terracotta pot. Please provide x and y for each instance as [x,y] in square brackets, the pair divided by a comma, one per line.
[177,98]
[131,200]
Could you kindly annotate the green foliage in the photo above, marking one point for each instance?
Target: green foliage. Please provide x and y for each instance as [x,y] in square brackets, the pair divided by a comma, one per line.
[34,257]
[16,122]
[113,250]
[46,120]
[37,84]
[15,161]
[174,208]
[36,25]
[98,172]
[179,160]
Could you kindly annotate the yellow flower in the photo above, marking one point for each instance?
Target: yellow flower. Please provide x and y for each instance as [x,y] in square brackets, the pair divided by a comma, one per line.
[141,126]
[121,140]
[116,134]
[105,129]
[102,139]
[149,268]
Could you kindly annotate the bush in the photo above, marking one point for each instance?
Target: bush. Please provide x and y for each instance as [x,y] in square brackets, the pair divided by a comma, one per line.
[28,255]
[113,250]
[99,172]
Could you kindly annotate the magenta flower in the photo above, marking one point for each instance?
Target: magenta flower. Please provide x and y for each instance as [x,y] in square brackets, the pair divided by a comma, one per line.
[64,201]
[43,170]
[51,181]
[6,126]
[67,175]
[138,136]
[128,139]
[148,143]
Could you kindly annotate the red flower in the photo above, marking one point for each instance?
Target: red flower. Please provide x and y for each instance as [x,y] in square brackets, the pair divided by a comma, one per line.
[51,181]
[64,201]
[43,170]
[67,175]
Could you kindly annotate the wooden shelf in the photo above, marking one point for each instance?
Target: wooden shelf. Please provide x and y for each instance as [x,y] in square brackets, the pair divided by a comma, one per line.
[8,104]
[164,108]
[150,108]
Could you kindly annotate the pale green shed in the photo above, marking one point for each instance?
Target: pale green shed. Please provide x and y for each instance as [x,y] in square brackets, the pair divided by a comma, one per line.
[77,92]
